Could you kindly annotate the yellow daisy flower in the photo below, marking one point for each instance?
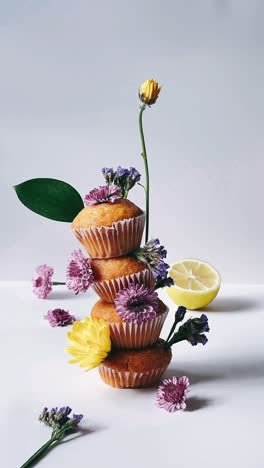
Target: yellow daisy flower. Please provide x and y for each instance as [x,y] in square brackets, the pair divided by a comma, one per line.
[90,340]
[149,92]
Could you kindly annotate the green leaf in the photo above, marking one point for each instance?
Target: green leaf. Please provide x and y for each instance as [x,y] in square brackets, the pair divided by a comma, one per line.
[51,198]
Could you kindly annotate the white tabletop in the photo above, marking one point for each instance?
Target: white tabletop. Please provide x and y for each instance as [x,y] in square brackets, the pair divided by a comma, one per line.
[222,426]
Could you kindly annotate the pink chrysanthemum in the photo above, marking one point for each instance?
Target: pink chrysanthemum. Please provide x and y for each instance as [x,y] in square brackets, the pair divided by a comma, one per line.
[103,194]
[171,394]
[136,304]
[79,274]
[41,281]
[59,318]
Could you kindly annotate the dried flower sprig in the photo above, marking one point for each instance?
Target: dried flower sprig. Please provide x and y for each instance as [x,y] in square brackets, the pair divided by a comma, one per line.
[153,254]
[192,330]
[41,281]
[123,178]
[171,394]
[61,423]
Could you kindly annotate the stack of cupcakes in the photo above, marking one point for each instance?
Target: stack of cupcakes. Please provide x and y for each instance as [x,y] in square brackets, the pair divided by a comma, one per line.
[110,231]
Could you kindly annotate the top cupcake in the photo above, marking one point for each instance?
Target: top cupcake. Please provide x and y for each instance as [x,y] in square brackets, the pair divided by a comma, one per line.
[106,214]
[110,226]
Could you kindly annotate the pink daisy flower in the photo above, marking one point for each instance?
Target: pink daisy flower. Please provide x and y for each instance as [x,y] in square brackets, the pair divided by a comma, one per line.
[41,281]
[59,318]
[171,394]
[103,194]
[79,274]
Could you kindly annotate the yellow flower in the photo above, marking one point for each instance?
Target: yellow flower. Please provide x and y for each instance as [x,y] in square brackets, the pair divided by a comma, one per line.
[90,339]
[149,92]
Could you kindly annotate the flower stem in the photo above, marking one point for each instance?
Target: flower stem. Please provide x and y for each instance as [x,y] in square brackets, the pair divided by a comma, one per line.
[144,156]
[176,338]
[57,283]
[35,457]
[171,331]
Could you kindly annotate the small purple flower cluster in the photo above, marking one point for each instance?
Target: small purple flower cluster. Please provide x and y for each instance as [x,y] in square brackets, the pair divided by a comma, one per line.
[195,329]
[58,418]
[124,178]
[192,330]
[153,254]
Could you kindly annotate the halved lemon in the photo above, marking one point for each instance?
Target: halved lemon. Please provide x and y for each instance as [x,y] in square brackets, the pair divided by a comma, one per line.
[196,283]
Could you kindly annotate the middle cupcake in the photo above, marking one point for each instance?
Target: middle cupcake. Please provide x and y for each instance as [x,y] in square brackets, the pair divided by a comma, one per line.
[113,274]
[129,335]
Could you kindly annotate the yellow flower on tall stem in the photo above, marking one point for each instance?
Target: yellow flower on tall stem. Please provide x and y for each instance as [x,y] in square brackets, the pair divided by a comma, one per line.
[148,94]
[90,340]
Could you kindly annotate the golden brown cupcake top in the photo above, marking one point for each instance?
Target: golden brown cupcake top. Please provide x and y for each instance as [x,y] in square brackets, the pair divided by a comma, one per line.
[105,214]
[107,311]
[144,360]
[109,268]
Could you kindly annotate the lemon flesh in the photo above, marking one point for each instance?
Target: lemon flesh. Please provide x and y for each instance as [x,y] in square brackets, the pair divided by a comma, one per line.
[196,283]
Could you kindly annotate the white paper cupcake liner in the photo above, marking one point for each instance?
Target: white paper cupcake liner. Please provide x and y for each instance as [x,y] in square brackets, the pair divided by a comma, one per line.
[129,379]
[137,336]
[108,289]
[119,239]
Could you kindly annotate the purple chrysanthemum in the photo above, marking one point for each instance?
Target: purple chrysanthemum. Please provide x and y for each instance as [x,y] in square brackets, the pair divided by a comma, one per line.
[79,274]
[136,304]
[103,194]
[171,394]
[41,281]
[59,318]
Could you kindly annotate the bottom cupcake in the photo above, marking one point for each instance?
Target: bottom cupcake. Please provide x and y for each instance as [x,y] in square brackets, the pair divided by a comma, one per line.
[133,369]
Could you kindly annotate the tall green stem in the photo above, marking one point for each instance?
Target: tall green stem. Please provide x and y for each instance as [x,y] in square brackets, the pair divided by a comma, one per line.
[144,156]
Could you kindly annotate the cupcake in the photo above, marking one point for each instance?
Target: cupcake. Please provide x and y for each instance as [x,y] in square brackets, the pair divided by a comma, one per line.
[113,274]
[109,229]
[132,369]
[131,334]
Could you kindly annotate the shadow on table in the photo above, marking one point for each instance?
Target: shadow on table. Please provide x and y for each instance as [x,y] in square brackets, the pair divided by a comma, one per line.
[81,432]
[66,294]
[225,371]
[230,304]
[196,403]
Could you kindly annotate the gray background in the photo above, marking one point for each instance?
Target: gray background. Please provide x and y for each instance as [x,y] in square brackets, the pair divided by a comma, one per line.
[68,106]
